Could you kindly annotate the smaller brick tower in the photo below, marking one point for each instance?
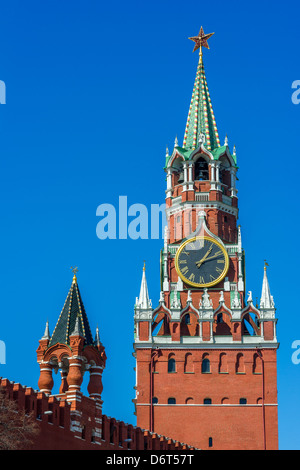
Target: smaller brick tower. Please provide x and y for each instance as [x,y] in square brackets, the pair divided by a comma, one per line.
[72,350]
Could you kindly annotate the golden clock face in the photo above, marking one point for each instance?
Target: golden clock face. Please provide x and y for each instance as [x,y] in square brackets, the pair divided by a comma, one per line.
[202,262]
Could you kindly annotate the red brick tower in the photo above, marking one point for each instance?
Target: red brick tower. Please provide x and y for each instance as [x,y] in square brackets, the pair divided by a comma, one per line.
[205,356]
[72,350]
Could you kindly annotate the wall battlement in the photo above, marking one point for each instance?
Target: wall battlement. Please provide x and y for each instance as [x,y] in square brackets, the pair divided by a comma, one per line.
[71,421]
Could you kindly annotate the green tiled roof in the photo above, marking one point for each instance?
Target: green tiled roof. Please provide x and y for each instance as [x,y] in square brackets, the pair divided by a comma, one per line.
[201,119]
[72,309]
[218,152]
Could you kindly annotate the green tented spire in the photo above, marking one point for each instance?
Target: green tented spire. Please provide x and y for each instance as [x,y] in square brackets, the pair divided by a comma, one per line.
[72,315]
[201,119]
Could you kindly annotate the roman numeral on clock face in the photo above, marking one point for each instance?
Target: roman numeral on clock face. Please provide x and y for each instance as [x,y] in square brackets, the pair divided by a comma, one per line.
[185,270]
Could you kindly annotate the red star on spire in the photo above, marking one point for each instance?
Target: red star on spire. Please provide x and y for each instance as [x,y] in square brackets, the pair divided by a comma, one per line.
[201,39]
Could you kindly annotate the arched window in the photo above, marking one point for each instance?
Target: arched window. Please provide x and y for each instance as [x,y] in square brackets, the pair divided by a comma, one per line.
[201,170]
[240,365]
[154,400]
[171,401]
[207,401]
[243,401]
[181,176]
[210,442]
[257,364]
[205,368]
[187,319]
[223,368]
[188,363]
[171,365]
[178,171]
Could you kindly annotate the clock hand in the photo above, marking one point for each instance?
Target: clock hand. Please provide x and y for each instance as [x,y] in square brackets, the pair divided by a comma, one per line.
[212,257]
[198,263]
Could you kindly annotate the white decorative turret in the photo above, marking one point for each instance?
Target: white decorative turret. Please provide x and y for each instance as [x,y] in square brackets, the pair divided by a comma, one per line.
[143,302]
[266,300]
[176,303]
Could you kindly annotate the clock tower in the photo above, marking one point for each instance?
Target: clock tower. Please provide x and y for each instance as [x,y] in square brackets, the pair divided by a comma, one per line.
[205,355]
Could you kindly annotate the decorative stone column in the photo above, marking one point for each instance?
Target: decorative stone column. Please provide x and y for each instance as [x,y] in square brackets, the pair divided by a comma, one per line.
[75,377]
[45,382]
[95,386]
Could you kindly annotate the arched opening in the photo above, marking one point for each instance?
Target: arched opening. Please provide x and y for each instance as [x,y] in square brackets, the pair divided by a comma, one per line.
[189,325]
[222,325]
[207,401]
[240,364]
[224,171]
[205,366]
[171,365]
[171,401]
[161,324]
[188,364]
[257,364]
[201,170]
[250,325]
[223,367]
[178,172]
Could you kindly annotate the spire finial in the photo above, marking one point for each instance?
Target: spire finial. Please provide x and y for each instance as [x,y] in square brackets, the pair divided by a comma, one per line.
[266,264]
[97,337]
[201,40]
[201,117]
[74,269]
[144,267]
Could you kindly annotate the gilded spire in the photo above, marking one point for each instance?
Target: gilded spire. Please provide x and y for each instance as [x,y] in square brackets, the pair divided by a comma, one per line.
[201,120]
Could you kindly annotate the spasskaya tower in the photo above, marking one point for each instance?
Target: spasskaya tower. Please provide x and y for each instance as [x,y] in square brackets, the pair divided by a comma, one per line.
[205,355]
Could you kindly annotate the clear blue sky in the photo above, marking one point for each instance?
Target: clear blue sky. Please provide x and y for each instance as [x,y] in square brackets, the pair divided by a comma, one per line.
[95,92]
